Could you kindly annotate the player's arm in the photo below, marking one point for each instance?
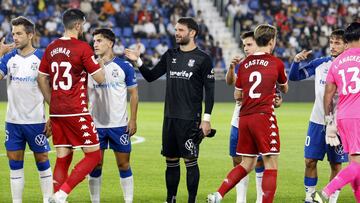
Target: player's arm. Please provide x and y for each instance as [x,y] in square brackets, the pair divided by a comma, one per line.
[99,76]
[282,81]
[134,100]
[238,94]
[330,90]
[300,73]
[5,48]
[44,85]
[93,67]
[278,98]
[149,74]
[209,85]
[230,74]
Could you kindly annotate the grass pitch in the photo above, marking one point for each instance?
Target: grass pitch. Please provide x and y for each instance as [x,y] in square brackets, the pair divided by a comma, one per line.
[148,165]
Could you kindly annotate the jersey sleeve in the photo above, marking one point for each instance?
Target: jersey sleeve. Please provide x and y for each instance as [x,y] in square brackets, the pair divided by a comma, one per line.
[4,62]
[209,84]
[282,79]
[130,75]
[330,76]
[44,67]
[89,61]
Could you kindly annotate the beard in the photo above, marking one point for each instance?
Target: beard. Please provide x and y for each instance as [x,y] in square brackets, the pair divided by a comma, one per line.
[183,41]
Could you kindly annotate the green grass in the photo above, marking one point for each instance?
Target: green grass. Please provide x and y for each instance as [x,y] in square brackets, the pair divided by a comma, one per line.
[148,165]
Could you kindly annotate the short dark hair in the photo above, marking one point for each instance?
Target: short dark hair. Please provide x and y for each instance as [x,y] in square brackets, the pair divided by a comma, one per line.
[338,34]
[263,34]
[352,32]
[28,24]
[72,16]
[105,32]
[190,23]
[247,34]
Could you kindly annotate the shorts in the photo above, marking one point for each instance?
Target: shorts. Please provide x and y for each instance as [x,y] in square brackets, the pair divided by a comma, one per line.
[316,147]
[349,130]
[233,141]
[258,134]
[177,140]
[74,131]
[18,134]
[116,139]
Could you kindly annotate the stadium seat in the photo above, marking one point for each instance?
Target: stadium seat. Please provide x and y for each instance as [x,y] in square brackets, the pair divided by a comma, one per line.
[127,32]
[154,43]
[145,42]
[2,18]
[117,32]
[44,42]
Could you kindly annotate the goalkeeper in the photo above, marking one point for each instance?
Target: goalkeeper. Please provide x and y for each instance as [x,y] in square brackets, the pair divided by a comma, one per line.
[315,143]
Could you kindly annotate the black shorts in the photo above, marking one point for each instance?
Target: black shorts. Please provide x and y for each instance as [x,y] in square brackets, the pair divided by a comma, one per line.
[177,140]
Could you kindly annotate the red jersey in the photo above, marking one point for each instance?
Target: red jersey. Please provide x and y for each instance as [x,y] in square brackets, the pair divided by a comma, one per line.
[67,62]
[257,77]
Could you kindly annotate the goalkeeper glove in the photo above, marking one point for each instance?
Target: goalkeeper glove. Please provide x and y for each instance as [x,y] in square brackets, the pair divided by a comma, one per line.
[331,137]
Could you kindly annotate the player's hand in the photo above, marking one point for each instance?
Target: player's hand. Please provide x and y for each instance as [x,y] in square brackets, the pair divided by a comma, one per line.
[278,101]
[205,126]
[238,95]
[331,136]
[236,60]
[303,55]
[131,128]
[133,55]
[5,48]
[47,129]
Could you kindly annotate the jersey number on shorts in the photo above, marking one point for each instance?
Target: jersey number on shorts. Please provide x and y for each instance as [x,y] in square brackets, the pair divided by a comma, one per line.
[66,75]
[354,78]
[254,76]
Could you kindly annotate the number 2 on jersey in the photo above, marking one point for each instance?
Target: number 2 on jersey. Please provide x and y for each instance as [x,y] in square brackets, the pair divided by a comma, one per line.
[254,76]
[354,79]
[66,75]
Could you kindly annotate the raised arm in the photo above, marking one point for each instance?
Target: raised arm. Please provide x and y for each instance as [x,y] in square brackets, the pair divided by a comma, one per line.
[230,74]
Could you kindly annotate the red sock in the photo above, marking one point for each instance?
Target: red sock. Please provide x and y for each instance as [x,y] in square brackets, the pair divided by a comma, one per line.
[83,168]
[235,175]
[61,171]
[269,185]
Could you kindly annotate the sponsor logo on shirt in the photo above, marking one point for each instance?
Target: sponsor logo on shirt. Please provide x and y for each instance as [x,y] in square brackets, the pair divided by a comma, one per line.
[23,79]
[107,85]
[181,74]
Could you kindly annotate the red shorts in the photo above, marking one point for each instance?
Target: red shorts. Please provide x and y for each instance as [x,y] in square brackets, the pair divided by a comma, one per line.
[258,134]
[74,131]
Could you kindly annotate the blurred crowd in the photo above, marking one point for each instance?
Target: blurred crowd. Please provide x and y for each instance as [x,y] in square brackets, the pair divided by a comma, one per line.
[302,24]
[149,23]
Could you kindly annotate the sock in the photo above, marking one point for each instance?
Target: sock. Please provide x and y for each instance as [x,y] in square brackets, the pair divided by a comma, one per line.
[355,184]
[258,177]
[60,196]
[95,185]
[345,176]
[269,185]
[192,179]
[172,176]
[17,180]
[241,189]
[310,185]
[83,168]
[127,185]
[61,171]
[235,175]
[46,179]
[333,198]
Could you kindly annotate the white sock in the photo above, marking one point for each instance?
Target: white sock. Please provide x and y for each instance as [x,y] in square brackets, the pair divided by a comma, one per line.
[61,196]
[333,198]
[241,189]
[259,193]
[46,183]
[308,191]
[127,185]
[17,182]
[94,187]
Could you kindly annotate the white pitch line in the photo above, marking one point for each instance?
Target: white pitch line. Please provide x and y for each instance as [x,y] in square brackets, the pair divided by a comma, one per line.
[138,139]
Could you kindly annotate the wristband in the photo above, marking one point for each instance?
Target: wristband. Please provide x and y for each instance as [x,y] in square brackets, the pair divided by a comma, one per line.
[139,62]
[206,117]
[329,119]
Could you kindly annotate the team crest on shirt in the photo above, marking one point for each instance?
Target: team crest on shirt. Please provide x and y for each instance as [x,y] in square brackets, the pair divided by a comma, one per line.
[115,73]
[34,66]
[40,139]
[191,62]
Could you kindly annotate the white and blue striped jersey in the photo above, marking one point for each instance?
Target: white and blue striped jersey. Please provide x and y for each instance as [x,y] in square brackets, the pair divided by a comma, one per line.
[108,101]
[319,68]
[25,100]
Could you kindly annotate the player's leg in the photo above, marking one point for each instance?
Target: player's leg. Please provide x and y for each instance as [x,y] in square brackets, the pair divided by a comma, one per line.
[15,145]
[355,185]
[269,179]
[172,154]
[241,187]
[120,142]
[38,143]
[314,150]
[95,176]
[259,172]
[189,151]
[95,180]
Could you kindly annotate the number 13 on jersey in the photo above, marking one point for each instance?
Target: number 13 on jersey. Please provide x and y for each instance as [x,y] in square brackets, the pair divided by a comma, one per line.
[352,86]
